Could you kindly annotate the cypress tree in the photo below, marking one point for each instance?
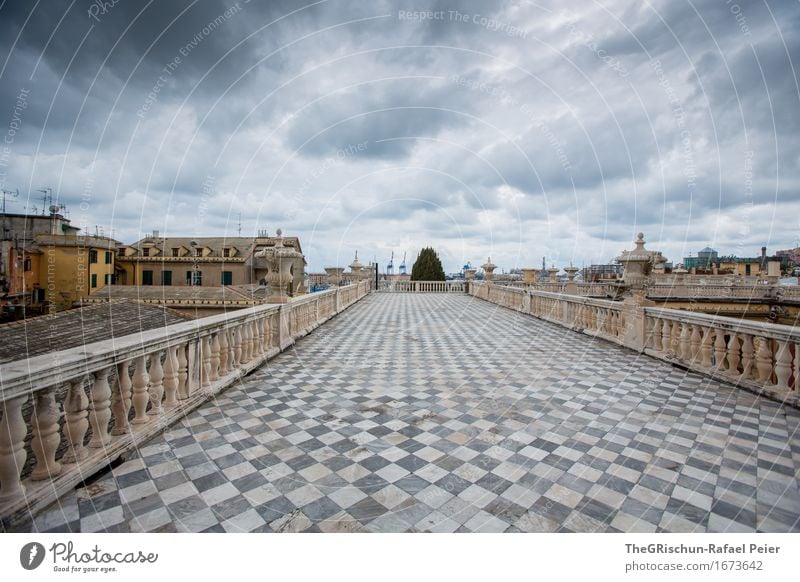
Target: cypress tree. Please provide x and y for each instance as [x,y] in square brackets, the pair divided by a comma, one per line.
[427,267]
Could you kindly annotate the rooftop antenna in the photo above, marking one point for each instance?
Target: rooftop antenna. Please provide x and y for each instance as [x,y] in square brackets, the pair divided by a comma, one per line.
[13,193]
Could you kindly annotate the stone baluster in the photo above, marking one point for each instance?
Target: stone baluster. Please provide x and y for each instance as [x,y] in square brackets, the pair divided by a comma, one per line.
[694,342]
[205,367]
[12,450]
[215,356]
[183,372]
[247,340]
[237,346]
[705,348]
[685,352]
[231,356]
[156,384]
[224,352]
[250,341]
[666,335]
[720,349]
[763,360]
[121,403]
[267,322]
[655,335]
[675,339]
[140,396]
[748,357]
[258,338]
[733,355]
[45,435]
[101,409]
[783,365]
[171,376]
[77,423]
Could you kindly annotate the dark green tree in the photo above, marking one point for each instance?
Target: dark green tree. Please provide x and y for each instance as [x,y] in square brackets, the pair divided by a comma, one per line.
[427,267]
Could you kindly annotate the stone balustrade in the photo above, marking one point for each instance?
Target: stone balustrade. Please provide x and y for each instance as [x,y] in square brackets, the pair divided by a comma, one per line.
[761,357]
[421,286]
[68,414]
[764,357]
[592,316]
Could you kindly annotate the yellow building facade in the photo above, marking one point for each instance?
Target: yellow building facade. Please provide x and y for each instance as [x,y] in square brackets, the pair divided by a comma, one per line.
[72,266]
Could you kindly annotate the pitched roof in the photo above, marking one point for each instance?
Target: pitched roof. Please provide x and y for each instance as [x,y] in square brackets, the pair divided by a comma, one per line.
[69,329]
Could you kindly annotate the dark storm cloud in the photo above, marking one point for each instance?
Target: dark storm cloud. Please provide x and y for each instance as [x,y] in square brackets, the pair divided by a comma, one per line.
[518,128]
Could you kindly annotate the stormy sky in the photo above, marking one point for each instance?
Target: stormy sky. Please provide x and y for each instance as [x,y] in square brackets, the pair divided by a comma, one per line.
[511,129]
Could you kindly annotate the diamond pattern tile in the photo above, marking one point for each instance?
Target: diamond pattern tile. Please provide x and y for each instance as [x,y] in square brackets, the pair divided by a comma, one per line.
[443,413]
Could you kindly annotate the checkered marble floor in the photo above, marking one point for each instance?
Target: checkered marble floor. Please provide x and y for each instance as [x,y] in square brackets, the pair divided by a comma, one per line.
[444,413]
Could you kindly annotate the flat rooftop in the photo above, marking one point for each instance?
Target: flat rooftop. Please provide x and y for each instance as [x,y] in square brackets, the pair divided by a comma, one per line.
[441,412]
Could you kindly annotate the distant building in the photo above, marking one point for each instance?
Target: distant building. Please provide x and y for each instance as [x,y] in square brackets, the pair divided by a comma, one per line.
[752,266]
[791,255]
[200,261]
[705,260]
[594,273]
[45,264]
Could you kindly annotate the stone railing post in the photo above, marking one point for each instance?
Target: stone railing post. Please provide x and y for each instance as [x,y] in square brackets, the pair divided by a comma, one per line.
[140,384]
[101,409]
[76,423]
[171,377]
[156,385]
[12,450]
[45,436]
[121,403]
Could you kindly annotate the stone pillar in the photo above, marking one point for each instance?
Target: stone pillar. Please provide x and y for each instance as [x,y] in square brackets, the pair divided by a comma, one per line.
[773,272]
[355,270]
[572,286]
[334,275]
[529,275]
[679,282]
[488,270]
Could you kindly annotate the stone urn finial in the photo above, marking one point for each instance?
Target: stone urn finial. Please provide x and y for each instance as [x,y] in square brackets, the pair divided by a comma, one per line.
[529,275]
[469,274]
[636,264]
[355,269]
[571,272]
[488,269]
[280,263]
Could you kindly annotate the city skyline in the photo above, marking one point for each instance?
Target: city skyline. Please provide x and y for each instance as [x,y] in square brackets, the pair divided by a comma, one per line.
[523,131]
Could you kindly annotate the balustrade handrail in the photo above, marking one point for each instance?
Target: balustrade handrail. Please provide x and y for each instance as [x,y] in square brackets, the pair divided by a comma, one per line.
[771,330]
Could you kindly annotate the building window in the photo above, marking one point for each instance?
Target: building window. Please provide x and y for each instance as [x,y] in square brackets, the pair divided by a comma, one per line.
[226,252]
[94,281]
[121,252]
[146,252]
[92,256]
[26,264]
[176,252]
[147,277]
[198,252]
[166,277]
[107,279]
[194,277]
[227,277]
[108,257]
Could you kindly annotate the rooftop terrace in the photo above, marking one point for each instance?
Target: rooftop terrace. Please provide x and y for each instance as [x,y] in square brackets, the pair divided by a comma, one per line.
[443,412]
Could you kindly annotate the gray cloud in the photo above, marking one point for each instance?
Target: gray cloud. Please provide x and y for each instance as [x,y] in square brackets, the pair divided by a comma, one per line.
[516,130]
